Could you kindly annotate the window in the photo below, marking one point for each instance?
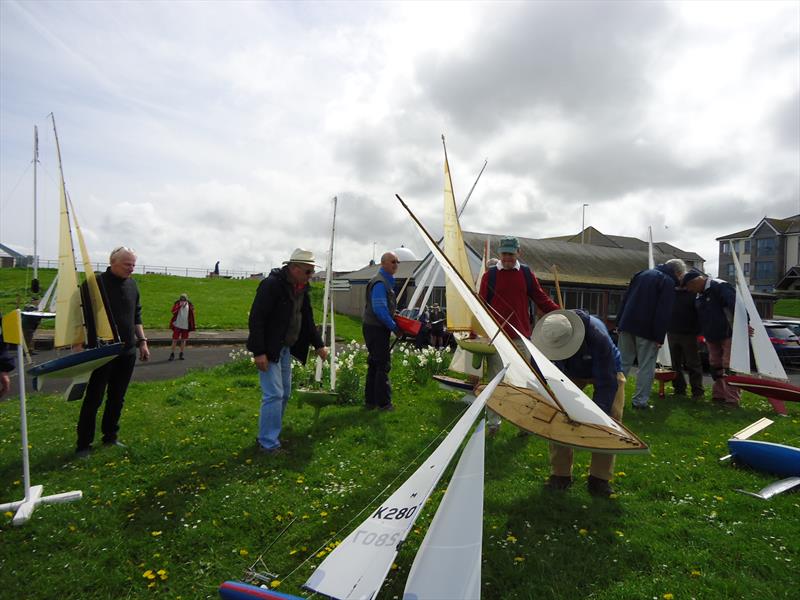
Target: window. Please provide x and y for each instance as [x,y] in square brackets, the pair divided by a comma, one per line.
[731,270]
[766,247]
[765,269]
[736,246]
[746,269]
[726,249]
[614,300]
[747,246]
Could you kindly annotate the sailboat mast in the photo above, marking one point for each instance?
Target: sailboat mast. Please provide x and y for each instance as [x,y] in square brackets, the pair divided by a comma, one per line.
[35,282]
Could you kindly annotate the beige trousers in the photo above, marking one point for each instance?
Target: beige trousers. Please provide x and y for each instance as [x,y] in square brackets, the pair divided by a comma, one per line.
[602,465]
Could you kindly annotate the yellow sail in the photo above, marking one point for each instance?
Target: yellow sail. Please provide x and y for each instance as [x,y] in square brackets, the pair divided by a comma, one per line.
[101,322]
[459,317]
[69,328]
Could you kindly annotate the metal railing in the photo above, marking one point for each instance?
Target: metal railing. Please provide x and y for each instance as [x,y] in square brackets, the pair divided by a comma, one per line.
[143,269]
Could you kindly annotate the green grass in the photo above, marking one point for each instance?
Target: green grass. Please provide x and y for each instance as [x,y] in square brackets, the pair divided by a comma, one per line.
[787,307]
[194,498]
[219,303]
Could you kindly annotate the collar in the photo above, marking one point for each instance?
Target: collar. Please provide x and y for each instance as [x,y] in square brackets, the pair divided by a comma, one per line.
[707,285]
[389,278]
[516,267]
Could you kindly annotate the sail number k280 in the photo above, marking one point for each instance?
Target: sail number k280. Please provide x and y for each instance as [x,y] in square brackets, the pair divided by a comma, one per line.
[394,513]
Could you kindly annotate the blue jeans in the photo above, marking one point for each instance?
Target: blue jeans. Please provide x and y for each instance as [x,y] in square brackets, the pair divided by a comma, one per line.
[276,386]
[632,347]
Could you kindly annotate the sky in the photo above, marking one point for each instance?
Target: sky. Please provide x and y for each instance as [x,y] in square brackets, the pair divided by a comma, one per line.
[198,132]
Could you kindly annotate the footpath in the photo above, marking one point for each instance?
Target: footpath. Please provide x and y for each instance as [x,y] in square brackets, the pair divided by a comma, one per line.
[43,339]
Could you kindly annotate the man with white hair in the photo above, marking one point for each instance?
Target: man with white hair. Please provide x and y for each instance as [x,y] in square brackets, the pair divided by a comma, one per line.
[580,346]
[121,297]
[642,321]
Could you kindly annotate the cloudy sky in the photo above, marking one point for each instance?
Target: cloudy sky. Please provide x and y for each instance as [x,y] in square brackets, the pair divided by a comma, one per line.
[198,132]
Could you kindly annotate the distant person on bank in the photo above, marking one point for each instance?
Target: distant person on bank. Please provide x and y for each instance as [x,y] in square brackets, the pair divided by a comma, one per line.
[281,326]
[716,302]
[182,323]
[508,288]
[580,346]
[642,321]
[684,327]
[377,325]
[121,295]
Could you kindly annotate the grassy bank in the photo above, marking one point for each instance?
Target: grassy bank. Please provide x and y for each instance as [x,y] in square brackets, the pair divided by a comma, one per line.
[192,503]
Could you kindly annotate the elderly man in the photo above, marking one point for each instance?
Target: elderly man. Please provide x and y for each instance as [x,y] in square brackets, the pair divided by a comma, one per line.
[580,346]
[121,295]
[377,324]
[508,288]
[281,326]
[715,302]
[642,322]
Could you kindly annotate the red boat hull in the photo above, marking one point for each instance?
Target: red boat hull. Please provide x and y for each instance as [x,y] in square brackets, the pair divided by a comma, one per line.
[769,388]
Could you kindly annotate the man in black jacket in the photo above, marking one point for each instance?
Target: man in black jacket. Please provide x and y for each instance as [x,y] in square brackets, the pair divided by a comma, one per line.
[281,326]
[125,310]
[684,327]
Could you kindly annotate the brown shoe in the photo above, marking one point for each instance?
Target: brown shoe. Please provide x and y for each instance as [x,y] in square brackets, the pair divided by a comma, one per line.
[599,487]
[558,483]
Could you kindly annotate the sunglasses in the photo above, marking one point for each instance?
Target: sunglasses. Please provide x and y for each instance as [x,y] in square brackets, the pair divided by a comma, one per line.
[306,271]
[394,262]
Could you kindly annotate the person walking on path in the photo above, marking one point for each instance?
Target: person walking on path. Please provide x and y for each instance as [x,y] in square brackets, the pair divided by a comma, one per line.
[281,326]
[581,347]
[377,324]
[508,288]
[182,323]
[684,327]
[112,379]
[716,301]
[642,321]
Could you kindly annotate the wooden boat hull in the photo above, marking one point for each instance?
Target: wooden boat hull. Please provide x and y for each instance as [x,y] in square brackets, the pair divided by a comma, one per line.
[453,384]
[766,456]
[769,388]
[479,346]
[530,412]
[316,398]
[234,590]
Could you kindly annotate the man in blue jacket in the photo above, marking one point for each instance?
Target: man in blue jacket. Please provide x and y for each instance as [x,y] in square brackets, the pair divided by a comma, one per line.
[715,302]
[377,324]
[642,322]
[281,326]
[580,346]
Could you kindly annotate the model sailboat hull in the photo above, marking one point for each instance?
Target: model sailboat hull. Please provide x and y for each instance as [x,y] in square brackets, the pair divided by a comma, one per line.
[769,388]
[766,456]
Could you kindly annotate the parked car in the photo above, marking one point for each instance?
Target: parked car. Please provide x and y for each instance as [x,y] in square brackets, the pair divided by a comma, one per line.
[791,324]
[785,341]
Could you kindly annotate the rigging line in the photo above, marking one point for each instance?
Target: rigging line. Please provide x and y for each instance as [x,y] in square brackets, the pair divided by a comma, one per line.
[379,494]
[289,524]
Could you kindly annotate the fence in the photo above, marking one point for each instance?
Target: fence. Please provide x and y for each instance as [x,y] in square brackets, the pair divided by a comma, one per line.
[162,270]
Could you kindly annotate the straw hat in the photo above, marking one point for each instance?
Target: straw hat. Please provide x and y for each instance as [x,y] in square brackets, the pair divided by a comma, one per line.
[303,257]
[559,334]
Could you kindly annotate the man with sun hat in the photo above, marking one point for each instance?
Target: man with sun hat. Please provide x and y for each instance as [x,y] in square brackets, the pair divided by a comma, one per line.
[580,346]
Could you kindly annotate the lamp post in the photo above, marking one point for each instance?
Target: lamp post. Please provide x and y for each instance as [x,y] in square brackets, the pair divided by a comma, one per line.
[583,220]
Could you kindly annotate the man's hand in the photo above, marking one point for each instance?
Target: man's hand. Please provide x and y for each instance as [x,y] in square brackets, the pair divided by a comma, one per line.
[144,351]
[323,353]
[262,362]
[5,383]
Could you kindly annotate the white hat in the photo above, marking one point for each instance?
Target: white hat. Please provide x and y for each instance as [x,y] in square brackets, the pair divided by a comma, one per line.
[300,256]
[559,334]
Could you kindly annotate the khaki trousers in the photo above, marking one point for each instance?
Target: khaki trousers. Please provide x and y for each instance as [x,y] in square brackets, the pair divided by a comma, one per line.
[602,465]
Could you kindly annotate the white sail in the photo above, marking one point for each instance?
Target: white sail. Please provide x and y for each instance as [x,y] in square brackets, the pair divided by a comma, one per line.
[332,349]
[422,284]
[448,563]
[767,360]
[49,299]
[358,566]
[69,329]
[663,358]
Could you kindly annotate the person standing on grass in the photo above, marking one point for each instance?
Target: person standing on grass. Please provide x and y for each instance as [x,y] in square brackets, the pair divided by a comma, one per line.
[508,288]
[642,321]
[716,301]
[580,346]
[377,325]
[182,323]
[281,326]
[684,327]
[121,295]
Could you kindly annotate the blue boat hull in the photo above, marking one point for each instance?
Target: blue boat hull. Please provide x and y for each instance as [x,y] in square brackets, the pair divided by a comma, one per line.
[234,590]
[766,456]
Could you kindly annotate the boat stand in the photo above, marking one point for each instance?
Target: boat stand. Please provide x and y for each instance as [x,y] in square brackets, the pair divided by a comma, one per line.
[33,494]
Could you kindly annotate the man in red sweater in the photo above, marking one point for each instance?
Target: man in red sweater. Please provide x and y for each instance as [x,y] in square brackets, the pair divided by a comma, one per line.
[507,288]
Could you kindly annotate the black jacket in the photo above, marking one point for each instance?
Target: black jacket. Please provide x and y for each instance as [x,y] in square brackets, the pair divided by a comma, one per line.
[684,314]
[6,358]
[269,319]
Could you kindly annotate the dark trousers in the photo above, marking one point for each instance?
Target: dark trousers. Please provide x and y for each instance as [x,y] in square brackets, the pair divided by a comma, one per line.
[113,378]
[378,390]
[686,357]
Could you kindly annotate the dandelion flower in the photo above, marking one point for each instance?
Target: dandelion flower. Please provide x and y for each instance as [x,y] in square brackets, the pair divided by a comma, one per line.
[274,583]
[511,539]
[583,532]
[243,552]
[155,533]
[668,596]
[695,573]
[149,574]
[519,559]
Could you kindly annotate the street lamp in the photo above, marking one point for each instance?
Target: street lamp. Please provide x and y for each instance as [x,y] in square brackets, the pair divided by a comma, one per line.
[583,220]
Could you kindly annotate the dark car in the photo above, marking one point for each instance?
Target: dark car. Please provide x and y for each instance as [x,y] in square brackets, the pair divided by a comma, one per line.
[785,342]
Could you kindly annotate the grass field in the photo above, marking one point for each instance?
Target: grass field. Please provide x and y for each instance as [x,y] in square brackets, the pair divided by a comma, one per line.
[786,307]
[192,503]
[219,303]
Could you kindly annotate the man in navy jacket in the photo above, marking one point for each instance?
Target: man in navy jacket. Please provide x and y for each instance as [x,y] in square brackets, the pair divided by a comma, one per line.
[642,322]
[715,302]
[579,345]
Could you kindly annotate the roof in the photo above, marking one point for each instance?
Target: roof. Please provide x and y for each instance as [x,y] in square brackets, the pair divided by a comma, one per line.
[5,250]
[595,237]
[782,226]
[405,269]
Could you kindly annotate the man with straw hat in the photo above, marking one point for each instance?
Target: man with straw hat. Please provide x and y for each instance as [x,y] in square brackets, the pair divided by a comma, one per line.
[579,345]
[281,326]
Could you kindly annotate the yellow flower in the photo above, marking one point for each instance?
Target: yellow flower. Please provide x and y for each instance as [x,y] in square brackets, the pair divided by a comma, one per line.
[719,498]
[519,559]
[667,596]
[695,573]
[243,552]
[149,574]
[162,574]
[620,474]
[8,514]
[321,553]
[583,532]
[274,583]
[73,528]
[323,514]
[279,518]
[155,533]
[152,584]
[161,493]
[511,539]
[292,551]
[619,533]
